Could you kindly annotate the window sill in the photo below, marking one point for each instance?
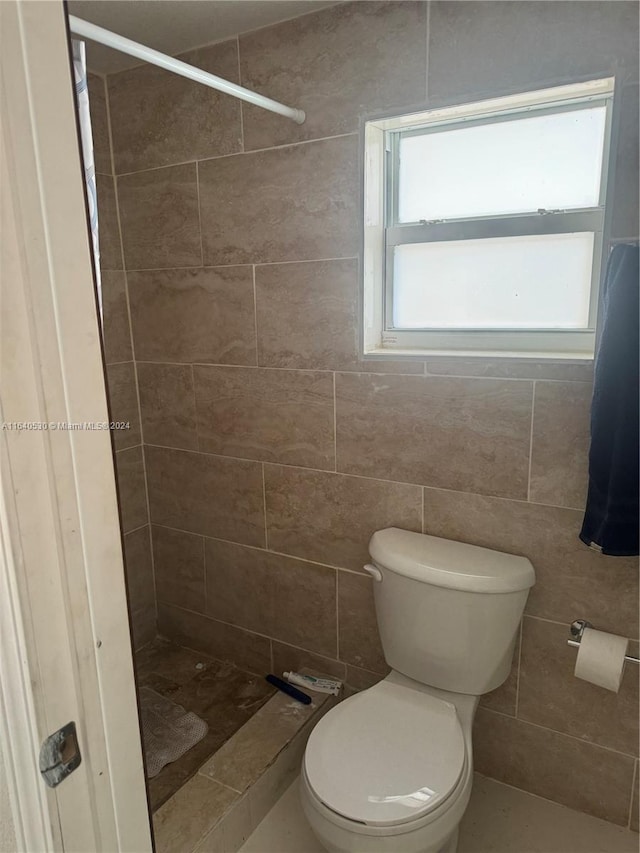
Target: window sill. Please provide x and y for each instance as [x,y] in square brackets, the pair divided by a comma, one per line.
[380,354]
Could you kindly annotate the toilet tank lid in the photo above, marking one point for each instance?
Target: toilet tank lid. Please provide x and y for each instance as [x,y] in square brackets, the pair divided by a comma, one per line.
[454,565]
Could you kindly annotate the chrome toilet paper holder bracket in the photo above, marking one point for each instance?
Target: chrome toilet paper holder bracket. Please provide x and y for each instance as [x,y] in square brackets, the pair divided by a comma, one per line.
[577,630]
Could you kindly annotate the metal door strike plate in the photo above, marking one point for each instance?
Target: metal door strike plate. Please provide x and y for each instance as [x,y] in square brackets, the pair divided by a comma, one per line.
[59,755]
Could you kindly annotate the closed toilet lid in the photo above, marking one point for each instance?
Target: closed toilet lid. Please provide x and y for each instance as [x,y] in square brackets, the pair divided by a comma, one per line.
[386,756]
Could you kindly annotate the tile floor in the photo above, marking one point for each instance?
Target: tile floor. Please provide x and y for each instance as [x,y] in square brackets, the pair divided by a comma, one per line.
[223,695]
[499,819]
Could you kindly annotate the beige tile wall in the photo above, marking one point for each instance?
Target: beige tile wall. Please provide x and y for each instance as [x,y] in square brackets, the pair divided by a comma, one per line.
[273,451]
[122,385]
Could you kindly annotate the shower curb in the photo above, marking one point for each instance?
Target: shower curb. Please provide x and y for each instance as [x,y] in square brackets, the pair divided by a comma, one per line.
[218,808]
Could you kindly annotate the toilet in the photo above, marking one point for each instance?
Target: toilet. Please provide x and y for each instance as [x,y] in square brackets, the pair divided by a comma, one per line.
[390,769]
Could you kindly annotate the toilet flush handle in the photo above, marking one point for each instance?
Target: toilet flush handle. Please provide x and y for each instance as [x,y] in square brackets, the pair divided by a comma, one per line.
[375,573]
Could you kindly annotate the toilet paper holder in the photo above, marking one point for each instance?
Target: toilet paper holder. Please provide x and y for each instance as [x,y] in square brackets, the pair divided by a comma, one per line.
[577,630]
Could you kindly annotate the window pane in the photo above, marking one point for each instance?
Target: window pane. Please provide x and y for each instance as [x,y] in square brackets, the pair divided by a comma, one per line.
[551,162]
[539,282]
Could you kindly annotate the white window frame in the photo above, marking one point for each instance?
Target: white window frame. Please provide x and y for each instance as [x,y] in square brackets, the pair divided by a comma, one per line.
[382,231]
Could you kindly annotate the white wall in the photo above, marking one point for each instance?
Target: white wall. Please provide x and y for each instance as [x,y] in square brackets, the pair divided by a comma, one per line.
[7,835]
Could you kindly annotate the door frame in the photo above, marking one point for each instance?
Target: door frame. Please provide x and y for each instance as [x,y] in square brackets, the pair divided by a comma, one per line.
[65,651]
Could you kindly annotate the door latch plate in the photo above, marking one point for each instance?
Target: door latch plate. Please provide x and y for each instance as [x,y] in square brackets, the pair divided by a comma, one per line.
[59,755]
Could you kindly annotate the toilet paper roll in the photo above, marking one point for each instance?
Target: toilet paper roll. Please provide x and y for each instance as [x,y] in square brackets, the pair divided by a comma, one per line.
[601,658]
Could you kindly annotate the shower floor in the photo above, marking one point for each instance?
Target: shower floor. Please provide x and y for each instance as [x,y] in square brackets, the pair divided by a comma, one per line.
[223,695]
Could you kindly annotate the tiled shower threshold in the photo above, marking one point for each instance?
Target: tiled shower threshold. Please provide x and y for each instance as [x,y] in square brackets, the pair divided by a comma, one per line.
[211,799]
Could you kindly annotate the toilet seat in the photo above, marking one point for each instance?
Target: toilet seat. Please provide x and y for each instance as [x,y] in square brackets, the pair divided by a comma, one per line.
[387,756]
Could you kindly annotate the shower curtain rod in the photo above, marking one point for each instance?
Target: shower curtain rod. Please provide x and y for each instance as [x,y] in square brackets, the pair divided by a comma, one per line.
[147,54]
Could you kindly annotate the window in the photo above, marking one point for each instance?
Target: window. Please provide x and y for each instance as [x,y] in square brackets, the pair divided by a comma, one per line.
[484,225]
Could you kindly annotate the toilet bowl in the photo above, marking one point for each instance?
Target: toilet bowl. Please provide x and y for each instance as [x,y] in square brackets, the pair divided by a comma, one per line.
[390,769]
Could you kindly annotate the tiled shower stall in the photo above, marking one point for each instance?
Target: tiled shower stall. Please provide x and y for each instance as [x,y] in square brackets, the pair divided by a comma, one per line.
[264,451]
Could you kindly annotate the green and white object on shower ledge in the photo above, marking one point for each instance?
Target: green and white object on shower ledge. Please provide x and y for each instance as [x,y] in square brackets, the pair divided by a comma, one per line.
[320,685]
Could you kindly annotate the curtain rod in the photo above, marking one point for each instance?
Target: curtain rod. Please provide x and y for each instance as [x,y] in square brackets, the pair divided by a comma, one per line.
[147,54]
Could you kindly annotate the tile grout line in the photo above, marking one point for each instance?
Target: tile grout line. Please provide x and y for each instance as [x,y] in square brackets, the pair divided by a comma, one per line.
[533,405]
[335,426]
[241,103]
[119,363]
[337,593]
[274,368]
[588,743]
[423,528]
[265,550]
[351,475]
[135,529]
[321,565]
[126,449]
[636,770]
[204,573]
[547,800]
[518,670]
[347,135]
[133,351]
[340,370]
[259,264]
[264,509]
[255,312]
[345,370]
[265,637]
[199,218]
[195,406]
[236,627]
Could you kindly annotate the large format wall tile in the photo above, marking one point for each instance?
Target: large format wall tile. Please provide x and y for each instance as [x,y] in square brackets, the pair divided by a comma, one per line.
[560,443]
[143,627]
[109,236]
[298,202]
[359,640]
[331,517]
[132,494]
[225,642]
[159,215]
[116,331]
[194,315]
[269,415]
[572,581]
[551,696]
[205,494]
[494,47]
[139,570]
[335,64]
[307,317]
[504,698]
[307,314]
[160,118]
[99,124]
[505,368]
[167,405]
[288,658]
[467,434]
[178,560]
[281,597]
[123,404]
[362,679]
[555,766]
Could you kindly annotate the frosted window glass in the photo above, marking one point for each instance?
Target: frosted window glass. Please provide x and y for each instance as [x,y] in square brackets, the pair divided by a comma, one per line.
[551,161]
[539,282]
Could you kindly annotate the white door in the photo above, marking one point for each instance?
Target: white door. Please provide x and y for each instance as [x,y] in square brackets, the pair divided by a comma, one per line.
[65,652]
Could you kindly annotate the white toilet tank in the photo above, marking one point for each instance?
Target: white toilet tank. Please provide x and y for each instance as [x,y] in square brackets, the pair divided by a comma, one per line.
[448,613]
